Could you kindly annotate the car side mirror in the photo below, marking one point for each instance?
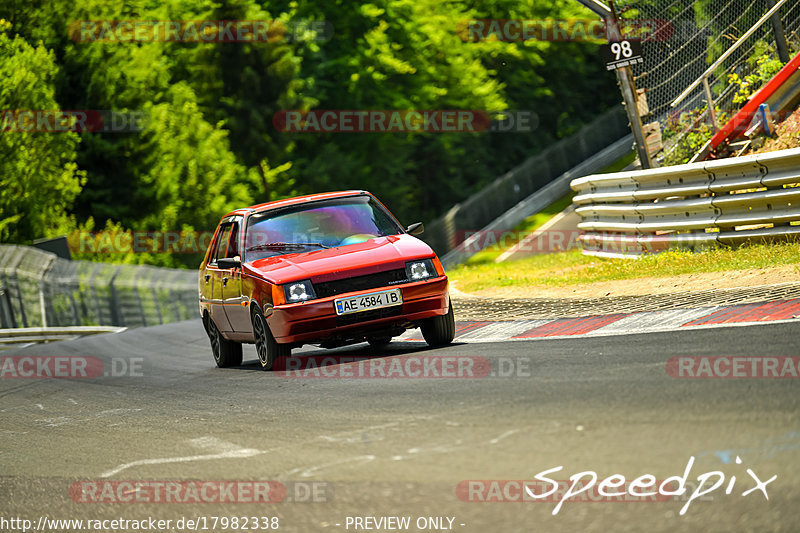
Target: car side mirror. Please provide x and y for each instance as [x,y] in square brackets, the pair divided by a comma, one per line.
[415,229]
[226,263]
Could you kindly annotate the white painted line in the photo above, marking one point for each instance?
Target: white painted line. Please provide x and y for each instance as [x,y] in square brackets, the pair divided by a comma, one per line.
[504,435]
[501,330]
[408,334]
[664,329]
[356,435]
[634,323]
[310,471]
[62,420]
[418,451]
[226,450]
[648,320]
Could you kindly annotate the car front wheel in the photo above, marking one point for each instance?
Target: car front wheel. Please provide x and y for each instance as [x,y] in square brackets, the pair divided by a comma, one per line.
[267,348]
[226,353]
[439,330]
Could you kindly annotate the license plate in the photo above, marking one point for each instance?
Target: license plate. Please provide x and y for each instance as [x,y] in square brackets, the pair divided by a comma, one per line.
[365,302]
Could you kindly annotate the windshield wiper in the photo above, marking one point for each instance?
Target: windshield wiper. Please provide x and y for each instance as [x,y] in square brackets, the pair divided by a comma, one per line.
[285,246]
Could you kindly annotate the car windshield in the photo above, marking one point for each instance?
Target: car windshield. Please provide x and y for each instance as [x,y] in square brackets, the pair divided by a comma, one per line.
[316,225]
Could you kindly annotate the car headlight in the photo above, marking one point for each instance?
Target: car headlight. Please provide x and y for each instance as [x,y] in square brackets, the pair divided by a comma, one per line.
[421,269]
[299,291]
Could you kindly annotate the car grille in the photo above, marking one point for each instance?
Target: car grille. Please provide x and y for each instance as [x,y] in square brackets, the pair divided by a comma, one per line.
[363,316]
[360,283]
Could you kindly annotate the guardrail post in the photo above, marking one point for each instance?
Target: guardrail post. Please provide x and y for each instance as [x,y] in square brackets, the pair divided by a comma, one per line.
[157,303]
[6,311]
[41,283]
[712,113]
[780,36]
[23,318]
[135,284]
[116,313]
[625,79]
[96,299]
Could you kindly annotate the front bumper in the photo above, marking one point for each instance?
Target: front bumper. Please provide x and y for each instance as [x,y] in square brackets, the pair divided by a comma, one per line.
[316,320]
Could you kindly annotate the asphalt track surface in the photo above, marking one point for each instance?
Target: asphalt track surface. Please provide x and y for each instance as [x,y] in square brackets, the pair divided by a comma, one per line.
[400,446]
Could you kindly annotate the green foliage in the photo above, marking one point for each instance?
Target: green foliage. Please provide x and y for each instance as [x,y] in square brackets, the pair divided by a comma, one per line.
[764,64]
[692,130]
[39,179]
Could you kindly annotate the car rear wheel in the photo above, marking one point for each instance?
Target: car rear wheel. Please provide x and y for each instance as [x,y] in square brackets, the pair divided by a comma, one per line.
[226,353]
[440,330]
[267,348]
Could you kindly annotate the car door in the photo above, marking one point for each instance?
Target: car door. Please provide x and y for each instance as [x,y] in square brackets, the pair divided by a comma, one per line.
[215,275]
[232,299]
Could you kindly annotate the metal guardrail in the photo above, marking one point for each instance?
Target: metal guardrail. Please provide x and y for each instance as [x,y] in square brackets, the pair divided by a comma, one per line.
[20,337]
[38,289]
[722,202]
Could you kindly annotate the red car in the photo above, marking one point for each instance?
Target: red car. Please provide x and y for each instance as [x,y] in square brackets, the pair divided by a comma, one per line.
[327,269]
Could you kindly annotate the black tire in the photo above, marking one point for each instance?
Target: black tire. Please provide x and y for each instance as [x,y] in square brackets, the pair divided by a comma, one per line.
[268,350]
[439,330]
[226,353]
[379,342]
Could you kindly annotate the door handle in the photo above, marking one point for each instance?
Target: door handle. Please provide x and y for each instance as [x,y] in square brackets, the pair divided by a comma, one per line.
[224,282]
[207,276]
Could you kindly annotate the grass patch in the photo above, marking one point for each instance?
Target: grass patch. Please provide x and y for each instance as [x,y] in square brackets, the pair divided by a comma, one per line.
[572,267]
[620,163]
[524,228]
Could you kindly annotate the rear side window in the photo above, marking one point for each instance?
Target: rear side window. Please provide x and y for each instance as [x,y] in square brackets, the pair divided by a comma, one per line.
[233,241]
[221,247]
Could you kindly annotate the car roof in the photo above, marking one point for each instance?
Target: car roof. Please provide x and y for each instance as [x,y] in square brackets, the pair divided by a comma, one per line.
[297,200]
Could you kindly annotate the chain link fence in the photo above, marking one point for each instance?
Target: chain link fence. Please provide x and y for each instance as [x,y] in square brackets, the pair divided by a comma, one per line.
[694,34]
[447,232]
[38,289]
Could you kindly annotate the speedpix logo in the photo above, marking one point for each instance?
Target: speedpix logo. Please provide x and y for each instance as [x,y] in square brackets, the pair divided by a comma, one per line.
[587,487]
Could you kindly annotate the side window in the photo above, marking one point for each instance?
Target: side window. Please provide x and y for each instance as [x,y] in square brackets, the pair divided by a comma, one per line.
[233,242]
[221,248]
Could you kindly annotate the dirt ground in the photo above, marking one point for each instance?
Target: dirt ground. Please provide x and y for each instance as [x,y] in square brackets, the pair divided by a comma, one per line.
[651,285]
[788,135]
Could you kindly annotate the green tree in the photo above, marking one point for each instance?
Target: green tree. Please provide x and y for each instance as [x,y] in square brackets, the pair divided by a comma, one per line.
[39,178]
[210,144]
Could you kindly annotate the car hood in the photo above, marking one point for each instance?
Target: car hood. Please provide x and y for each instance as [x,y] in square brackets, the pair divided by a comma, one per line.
[374,255]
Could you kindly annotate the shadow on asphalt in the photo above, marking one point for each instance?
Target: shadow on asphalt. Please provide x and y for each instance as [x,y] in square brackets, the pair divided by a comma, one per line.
[314,357]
